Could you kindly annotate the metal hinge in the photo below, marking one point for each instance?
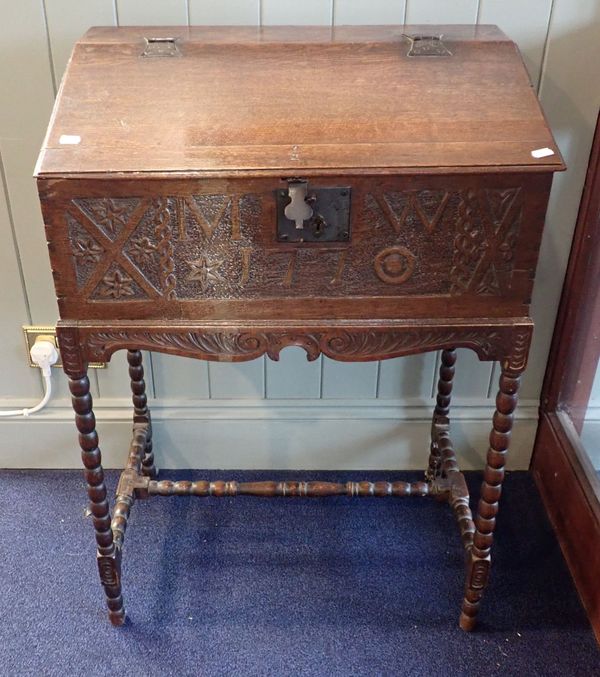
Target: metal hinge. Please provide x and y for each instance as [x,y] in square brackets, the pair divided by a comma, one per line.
[161,47]
[427,45]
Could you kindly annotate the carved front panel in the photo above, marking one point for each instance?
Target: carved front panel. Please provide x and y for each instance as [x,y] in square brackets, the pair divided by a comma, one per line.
[223,246]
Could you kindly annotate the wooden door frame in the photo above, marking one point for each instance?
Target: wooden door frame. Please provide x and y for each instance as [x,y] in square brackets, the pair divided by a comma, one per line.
[563,473]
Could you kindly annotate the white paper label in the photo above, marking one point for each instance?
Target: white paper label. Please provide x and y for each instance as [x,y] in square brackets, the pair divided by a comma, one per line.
[542,152]
[69,139]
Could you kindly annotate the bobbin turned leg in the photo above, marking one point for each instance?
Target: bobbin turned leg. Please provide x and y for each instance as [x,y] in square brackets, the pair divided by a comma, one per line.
[108,556]
[442,409]
[141,411]
[478,559]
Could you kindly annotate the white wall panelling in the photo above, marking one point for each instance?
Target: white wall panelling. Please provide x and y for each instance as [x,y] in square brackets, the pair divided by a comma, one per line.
[152,12]
[17,378]
[349,12]
[525,22]
[408,377]
[340,379]
[293,12]
[224,12]
[265,413]
[441,11]
[292,376]
[170,380]
[472,377]
[242,379]
[26,93]
[66,23]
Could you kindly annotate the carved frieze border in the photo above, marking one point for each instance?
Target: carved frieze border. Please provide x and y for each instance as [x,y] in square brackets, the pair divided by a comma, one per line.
[357,343]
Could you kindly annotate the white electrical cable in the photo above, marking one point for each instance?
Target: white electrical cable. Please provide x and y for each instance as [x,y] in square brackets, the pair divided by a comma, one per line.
[44,354]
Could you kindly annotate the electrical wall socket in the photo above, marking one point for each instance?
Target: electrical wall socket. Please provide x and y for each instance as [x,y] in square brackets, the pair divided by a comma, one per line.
[32,333]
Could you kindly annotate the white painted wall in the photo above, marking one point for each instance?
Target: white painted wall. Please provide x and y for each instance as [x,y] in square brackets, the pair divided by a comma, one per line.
[264,414]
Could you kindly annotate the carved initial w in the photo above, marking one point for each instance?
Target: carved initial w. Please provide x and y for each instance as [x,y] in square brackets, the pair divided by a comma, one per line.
[398,220]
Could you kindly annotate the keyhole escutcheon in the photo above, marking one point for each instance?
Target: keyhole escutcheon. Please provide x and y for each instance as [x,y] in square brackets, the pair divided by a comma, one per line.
[298,210]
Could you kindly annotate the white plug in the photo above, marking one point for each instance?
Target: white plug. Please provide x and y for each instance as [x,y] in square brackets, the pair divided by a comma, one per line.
[44,354]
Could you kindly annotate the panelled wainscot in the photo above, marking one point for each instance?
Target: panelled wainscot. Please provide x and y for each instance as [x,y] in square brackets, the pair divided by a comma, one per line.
[364,193]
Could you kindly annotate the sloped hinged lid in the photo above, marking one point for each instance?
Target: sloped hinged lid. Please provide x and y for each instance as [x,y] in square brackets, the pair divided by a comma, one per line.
[225,101]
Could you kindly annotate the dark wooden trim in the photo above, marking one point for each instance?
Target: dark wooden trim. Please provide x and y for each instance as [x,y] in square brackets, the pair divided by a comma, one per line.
[575,345]
[561,472]
[564,475]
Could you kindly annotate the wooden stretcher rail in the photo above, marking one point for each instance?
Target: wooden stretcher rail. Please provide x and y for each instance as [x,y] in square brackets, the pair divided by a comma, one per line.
[313,489]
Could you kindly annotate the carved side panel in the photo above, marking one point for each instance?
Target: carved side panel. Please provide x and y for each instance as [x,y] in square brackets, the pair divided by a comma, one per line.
[404,242]
[486,230]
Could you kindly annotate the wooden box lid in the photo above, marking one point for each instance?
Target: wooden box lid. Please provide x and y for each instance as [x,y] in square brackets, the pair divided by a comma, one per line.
[288,101]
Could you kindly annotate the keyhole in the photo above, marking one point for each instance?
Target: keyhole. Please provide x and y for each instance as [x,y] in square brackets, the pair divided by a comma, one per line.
[298,209]
[319,226]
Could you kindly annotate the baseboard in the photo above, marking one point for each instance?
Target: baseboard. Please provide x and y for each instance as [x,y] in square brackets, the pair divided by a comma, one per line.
[286,434]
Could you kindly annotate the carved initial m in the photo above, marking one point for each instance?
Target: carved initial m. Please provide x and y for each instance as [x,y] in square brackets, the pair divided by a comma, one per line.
[207,217]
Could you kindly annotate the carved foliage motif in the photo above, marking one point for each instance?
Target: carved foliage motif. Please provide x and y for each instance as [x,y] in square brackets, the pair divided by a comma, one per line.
[218,246]
[87,252]
[116,284]
[110,215]
[142,252]
[206,344]
[204,271]
[339,344]
[517,361]
[71,352]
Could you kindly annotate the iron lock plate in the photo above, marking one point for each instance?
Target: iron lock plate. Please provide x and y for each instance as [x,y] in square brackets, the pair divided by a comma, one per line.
[329,221]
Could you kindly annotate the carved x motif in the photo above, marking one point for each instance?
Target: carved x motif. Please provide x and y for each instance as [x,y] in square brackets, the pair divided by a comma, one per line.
[494,238]
[114,249]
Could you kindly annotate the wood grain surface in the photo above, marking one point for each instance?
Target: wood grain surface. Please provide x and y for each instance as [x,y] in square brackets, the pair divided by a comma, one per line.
[278,99]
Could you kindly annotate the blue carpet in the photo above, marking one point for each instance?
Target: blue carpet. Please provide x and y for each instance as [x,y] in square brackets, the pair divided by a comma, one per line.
[251,586]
